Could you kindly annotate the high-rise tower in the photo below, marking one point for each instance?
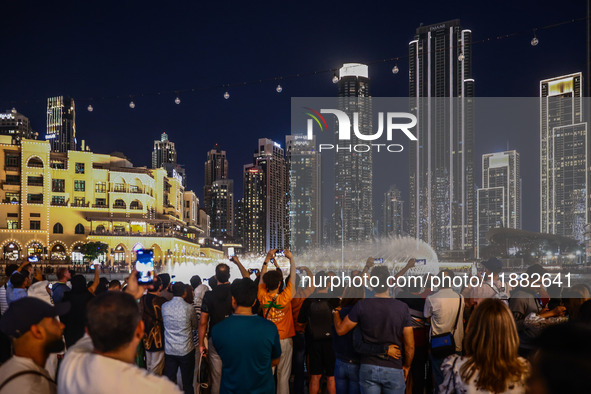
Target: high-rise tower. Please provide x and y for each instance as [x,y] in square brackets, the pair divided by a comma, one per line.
[61,123]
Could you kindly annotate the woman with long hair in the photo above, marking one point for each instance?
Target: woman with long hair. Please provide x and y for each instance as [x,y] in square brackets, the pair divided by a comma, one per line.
[491,363]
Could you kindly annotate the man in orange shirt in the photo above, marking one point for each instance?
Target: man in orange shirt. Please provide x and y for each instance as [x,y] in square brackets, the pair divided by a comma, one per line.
[277,308]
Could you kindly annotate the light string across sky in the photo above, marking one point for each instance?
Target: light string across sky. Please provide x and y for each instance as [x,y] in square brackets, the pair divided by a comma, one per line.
[227,87]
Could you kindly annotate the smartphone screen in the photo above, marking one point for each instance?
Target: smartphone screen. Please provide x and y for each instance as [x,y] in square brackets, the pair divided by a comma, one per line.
[378,261]
[420,262]
[145,266]
[231,252]
[280,253]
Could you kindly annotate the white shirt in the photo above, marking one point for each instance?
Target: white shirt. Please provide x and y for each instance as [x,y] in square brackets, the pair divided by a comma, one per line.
[27,383]
[442,308]
[83,371]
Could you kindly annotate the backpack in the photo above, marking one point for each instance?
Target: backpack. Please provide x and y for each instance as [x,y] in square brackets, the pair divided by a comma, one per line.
[320,319]
[500,293]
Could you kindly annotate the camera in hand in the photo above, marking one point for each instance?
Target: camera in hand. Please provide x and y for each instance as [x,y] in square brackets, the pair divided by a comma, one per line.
[378,261]
[145,266]
[280,253]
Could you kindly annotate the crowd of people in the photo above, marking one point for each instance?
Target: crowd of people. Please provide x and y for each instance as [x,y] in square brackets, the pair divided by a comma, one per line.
[271,331]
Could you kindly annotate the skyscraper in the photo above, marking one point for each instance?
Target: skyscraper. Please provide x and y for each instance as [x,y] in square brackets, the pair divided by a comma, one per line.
[164,152]
[353,214]
[61,123]
[253,209]
[563,157]
[303,167]
[222,208]
[265,199]
[441,161]
[393,212]
[15,125]
[239,221]
[216,167]
[499,199]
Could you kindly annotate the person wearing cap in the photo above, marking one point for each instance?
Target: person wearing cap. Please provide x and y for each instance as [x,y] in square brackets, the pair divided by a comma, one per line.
[36,333]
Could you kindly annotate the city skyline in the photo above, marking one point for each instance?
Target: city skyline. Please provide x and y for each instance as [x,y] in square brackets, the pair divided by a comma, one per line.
[114,118]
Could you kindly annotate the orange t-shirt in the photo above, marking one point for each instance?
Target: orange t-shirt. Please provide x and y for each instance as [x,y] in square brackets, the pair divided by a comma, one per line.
[281,313]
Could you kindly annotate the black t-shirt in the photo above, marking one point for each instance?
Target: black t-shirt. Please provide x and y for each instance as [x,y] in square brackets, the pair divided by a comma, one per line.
[381,321]
[317,313]
[217,303]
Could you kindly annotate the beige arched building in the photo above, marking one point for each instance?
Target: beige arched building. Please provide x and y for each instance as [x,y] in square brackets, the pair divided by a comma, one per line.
[53,203]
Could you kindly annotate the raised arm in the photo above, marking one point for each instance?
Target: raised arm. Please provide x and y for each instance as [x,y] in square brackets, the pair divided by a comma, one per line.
[268,257]
[96,279]
[292,271]
[409,265]
[243,270]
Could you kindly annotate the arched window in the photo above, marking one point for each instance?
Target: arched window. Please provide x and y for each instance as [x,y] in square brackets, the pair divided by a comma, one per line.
[35,162]
[59,229]
[119,204]
[79,229]
[135,204]
[100,228]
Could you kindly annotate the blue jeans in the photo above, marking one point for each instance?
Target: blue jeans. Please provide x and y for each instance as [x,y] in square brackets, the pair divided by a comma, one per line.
[374,379]
[437,373]
[346,376]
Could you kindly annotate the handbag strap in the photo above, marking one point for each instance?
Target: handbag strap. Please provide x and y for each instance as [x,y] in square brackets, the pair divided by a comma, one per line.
[457,314]
[27,372]
[271,304]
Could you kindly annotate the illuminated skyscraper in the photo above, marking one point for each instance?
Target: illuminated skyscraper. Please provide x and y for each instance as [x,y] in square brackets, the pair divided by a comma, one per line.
[499,199]
[303,166]
[16,125]
[253,209]
[392,212]
[563,157]
[216,167]
[164,152]
[442,161]
[61,124]
[222,208]
[353,213]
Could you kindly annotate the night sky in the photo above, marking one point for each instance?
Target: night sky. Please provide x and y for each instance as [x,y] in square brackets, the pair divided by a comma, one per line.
[107,49]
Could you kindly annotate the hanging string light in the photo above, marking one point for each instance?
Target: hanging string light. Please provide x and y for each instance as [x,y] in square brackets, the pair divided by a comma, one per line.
[534,41]
[335,79]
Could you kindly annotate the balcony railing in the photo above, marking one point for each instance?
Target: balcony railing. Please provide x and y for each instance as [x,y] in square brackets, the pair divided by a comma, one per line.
[35,184]
[9,167]
[167,234]
[59,203]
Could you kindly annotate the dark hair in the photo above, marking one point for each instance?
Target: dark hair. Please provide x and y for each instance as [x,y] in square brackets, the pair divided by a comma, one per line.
[535,269]
[584,315]
[320,277]
[17,279]
[61,272]
[156,284]
[222,273]
[195,281]
[10,268]
[178,289]
[165,280]
[381,272]
[244,292]
[114,283]
[562,362]
[112,319]
[272,279]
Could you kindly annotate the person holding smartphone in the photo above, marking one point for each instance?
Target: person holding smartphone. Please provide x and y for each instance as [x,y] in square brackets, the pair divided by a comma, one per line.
[276,307]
